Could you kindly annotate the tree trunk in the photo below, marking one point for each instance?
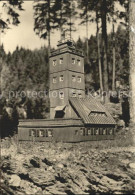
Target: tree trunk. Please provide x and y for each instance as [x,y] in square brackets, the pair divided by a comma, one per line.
[114,66]
[99,56]
[132,59]
[61,17]
[49,42]
[104,50]
[87,45]
[70,20]
[49,29]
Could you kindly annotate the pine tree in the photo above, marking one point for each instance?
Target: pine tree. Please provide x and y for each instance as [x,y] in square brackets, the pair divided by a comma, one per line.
[44,19]
[10,8]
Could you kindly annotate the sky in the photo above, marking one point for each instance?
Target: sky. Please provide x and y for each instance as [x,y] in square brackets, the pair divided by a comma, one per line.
[24,36]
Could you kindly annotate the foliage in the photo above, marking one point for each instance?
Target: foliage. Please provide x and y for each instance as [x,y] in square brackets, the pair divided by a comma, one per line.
[44,17]
[26,71]
[10,7]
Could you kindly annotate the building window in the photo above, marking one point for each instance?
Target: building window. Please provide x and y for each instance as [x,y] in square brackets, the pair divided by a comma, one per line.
[110,131]
[78,62]
[41,133]
[54,62]
[104,131]
[82,131]
[61,78]
[73,78]
[89,132]
[61,95]
[49,133]
[93,113]
[61,60]
[33,133]
[73,94]
[97,131]
[73,60]
[79,95]
[54,79]
[79,79]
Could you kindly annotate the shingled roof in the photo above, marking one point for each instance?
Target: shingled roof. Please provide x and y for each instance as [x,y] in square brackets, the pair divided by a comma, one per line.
[85,107]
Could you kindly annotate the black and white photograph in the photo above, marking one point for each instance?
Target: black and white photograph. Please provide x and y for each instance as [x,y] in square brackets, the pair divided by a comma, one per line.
[67,97]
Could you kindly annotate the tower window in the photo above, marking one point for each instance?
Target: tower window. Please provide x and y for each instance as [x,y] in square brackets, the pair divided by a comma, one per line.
[61,78]
[79,95]
[54,79]
[61,60]
[73,94]
[78,62]
[54,62]
[61,95]
[73,60]
[73,78]
[79,79]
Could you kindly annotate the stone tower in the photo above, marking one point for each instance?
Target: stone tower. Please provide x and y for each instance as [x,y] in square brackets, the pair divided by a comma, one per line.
[66,78]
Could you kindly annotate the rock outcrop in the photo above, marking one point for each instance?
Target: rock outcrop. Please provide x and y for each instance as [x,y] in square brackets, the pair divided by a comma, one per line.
[67,169]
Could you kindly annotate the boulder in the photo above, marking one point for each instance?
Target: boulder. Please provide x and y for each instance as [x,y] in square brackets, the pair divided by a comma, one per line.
[14,181]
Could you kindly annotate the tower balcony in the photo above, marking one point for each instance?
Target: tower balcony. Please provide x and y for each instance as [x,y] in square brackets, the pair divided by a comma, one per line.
[67,46]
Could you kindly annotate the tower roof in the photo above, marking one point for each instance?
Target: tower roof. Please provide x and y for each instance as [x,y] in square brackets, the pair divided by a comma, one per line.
[66,46]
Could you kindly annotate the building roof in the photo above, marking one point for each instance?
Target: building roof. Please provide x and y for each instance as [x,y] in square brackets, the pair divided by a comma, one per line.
[85,106]
[60,108]
[66,46]
[48,123]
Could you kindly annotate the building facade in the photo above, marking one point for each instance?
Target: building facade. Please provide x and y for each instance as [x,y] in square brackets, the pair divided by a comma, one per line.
[66,79]
[73,116]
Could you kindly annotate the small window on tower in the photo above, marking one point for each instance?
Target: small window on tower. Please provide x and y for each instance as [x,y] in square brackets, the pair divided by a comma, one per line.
[61,95]
[78,62]
[61,60]
[73,94]
[73,78]
[61,78]
[73,60]
[54,79]
[79,79]
[54,62]
[79,95]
